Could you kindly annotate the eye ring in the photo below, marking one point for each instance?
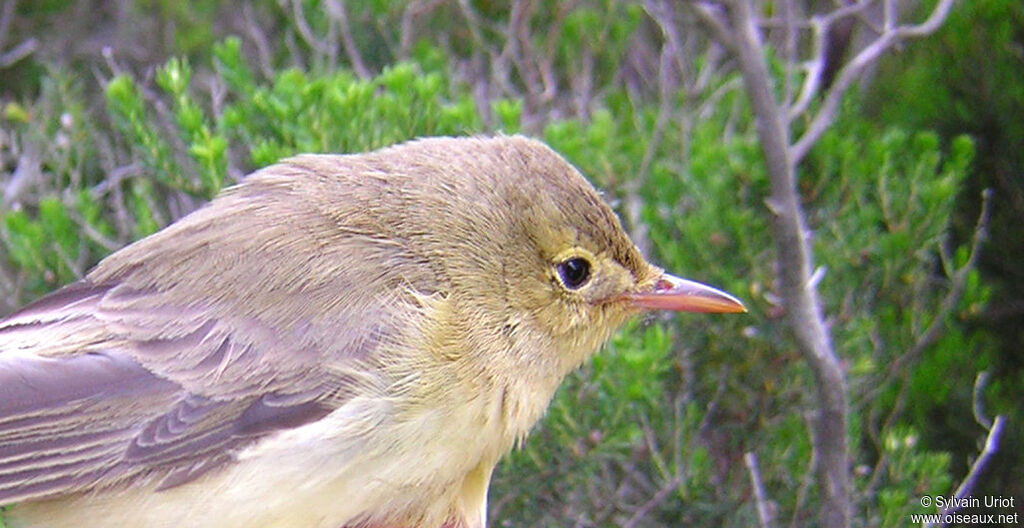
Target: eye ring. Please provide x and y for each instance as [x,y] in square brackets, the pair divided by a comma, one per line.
[574,272]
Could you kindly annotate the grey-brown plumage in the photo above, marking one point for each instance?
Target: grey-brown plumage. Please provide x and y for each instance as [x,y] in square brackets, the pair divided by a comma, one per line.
[337,340]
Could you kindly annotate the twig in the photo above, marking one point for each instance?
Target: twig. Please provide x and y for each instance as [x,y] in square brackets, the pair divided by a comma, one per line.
[474,24]
[92,233]
[632,202]
[926,339]
[298,58]
[815,67]
[876,434]
[8,295]
[22,50]
[978,407]
[583,85]
[764,510]
[323,47]
[714,19]
[808,477]
[75,267]
[712,406]
[958,283]
[658,498]
[413,11]
[6,17]
[852,70]
[336,11]
[26,174]
[967,485]
[259,38]
[789,48]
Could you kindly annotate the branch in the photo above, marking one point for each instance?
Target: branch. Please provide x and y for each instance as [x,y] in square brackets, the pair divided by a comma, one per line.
[413,11]
[956,290]
[336,10]
[789,48]
[324,47]
[978,408]
[6,17]
[713,17]
[820,26]
[851,72]
[935,330]
[800,298]
[93,234]
[9,293]
[27,173]
[659,497]
[259,38]
[764,510]
[26,48]
[805,480]
[20,51]
[967,485]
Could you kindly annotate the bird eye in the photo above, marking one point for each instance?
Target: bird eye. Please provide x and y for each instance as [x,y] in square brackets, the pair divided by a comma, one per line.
[574,272]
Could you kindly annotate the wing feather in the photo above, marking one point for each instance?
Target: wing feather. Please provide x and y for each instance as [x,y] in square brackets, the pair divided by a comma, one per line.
[71,423]
[256,313]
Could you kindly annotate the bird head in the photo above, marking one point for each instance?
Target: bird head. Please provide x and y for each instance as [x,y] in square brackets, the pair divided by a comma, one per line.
[531,250]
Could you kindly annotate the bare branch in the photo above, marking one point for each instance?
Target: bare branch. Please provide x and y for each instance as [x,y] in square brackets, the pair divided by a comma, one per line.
[764,509]
[978,407]
[800,298]
[806,480]
[259,38]
[851,72]
[889,15]
[967,485]
[958,284]
[26,174]
[712,15]
[9,288]
[324,47]
[413,11]
[658,498]
[22,50]
[662,15]
[93,234]
[6,17]
[583,85]
[789,49]
[474,24]
[336,11]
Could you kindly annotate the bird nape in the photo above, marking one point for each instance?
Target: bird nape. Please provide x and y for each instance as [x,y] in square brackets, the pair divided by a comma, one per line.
[338,340]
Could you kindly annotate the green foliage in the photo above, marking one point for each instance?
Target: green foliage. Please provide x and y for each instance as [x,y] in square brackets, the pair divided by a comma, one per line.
[298,112]
[968,81]
[207,148]
[41,238]
[262,122]
[128,110]
[913,473]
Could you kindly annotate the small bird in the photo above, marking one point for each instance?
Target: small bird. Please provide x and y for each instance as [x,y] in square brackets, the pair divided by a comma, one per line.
[339,341]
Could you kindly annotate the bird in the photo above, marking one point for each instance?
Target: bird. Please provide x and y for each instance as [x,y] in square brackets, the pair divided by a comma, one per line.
[337,341]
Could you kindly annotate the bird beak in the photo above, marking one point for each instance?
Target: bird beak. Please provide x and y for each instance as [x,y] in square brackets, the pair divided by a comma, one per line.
[681,295]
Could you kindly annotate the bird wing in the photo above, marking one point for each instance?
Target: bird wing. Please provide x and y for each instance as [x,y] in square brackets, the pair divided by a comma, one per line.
[261,311]
[82,407]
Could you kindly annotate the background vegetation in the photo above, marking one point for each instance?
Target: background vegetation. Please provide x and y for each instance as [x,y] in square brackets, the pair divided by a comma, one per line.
[119,117]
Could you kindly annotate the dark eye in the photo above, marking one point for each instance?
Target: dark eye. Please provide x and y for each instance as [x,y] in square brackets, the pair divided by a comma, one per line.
[574,272]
